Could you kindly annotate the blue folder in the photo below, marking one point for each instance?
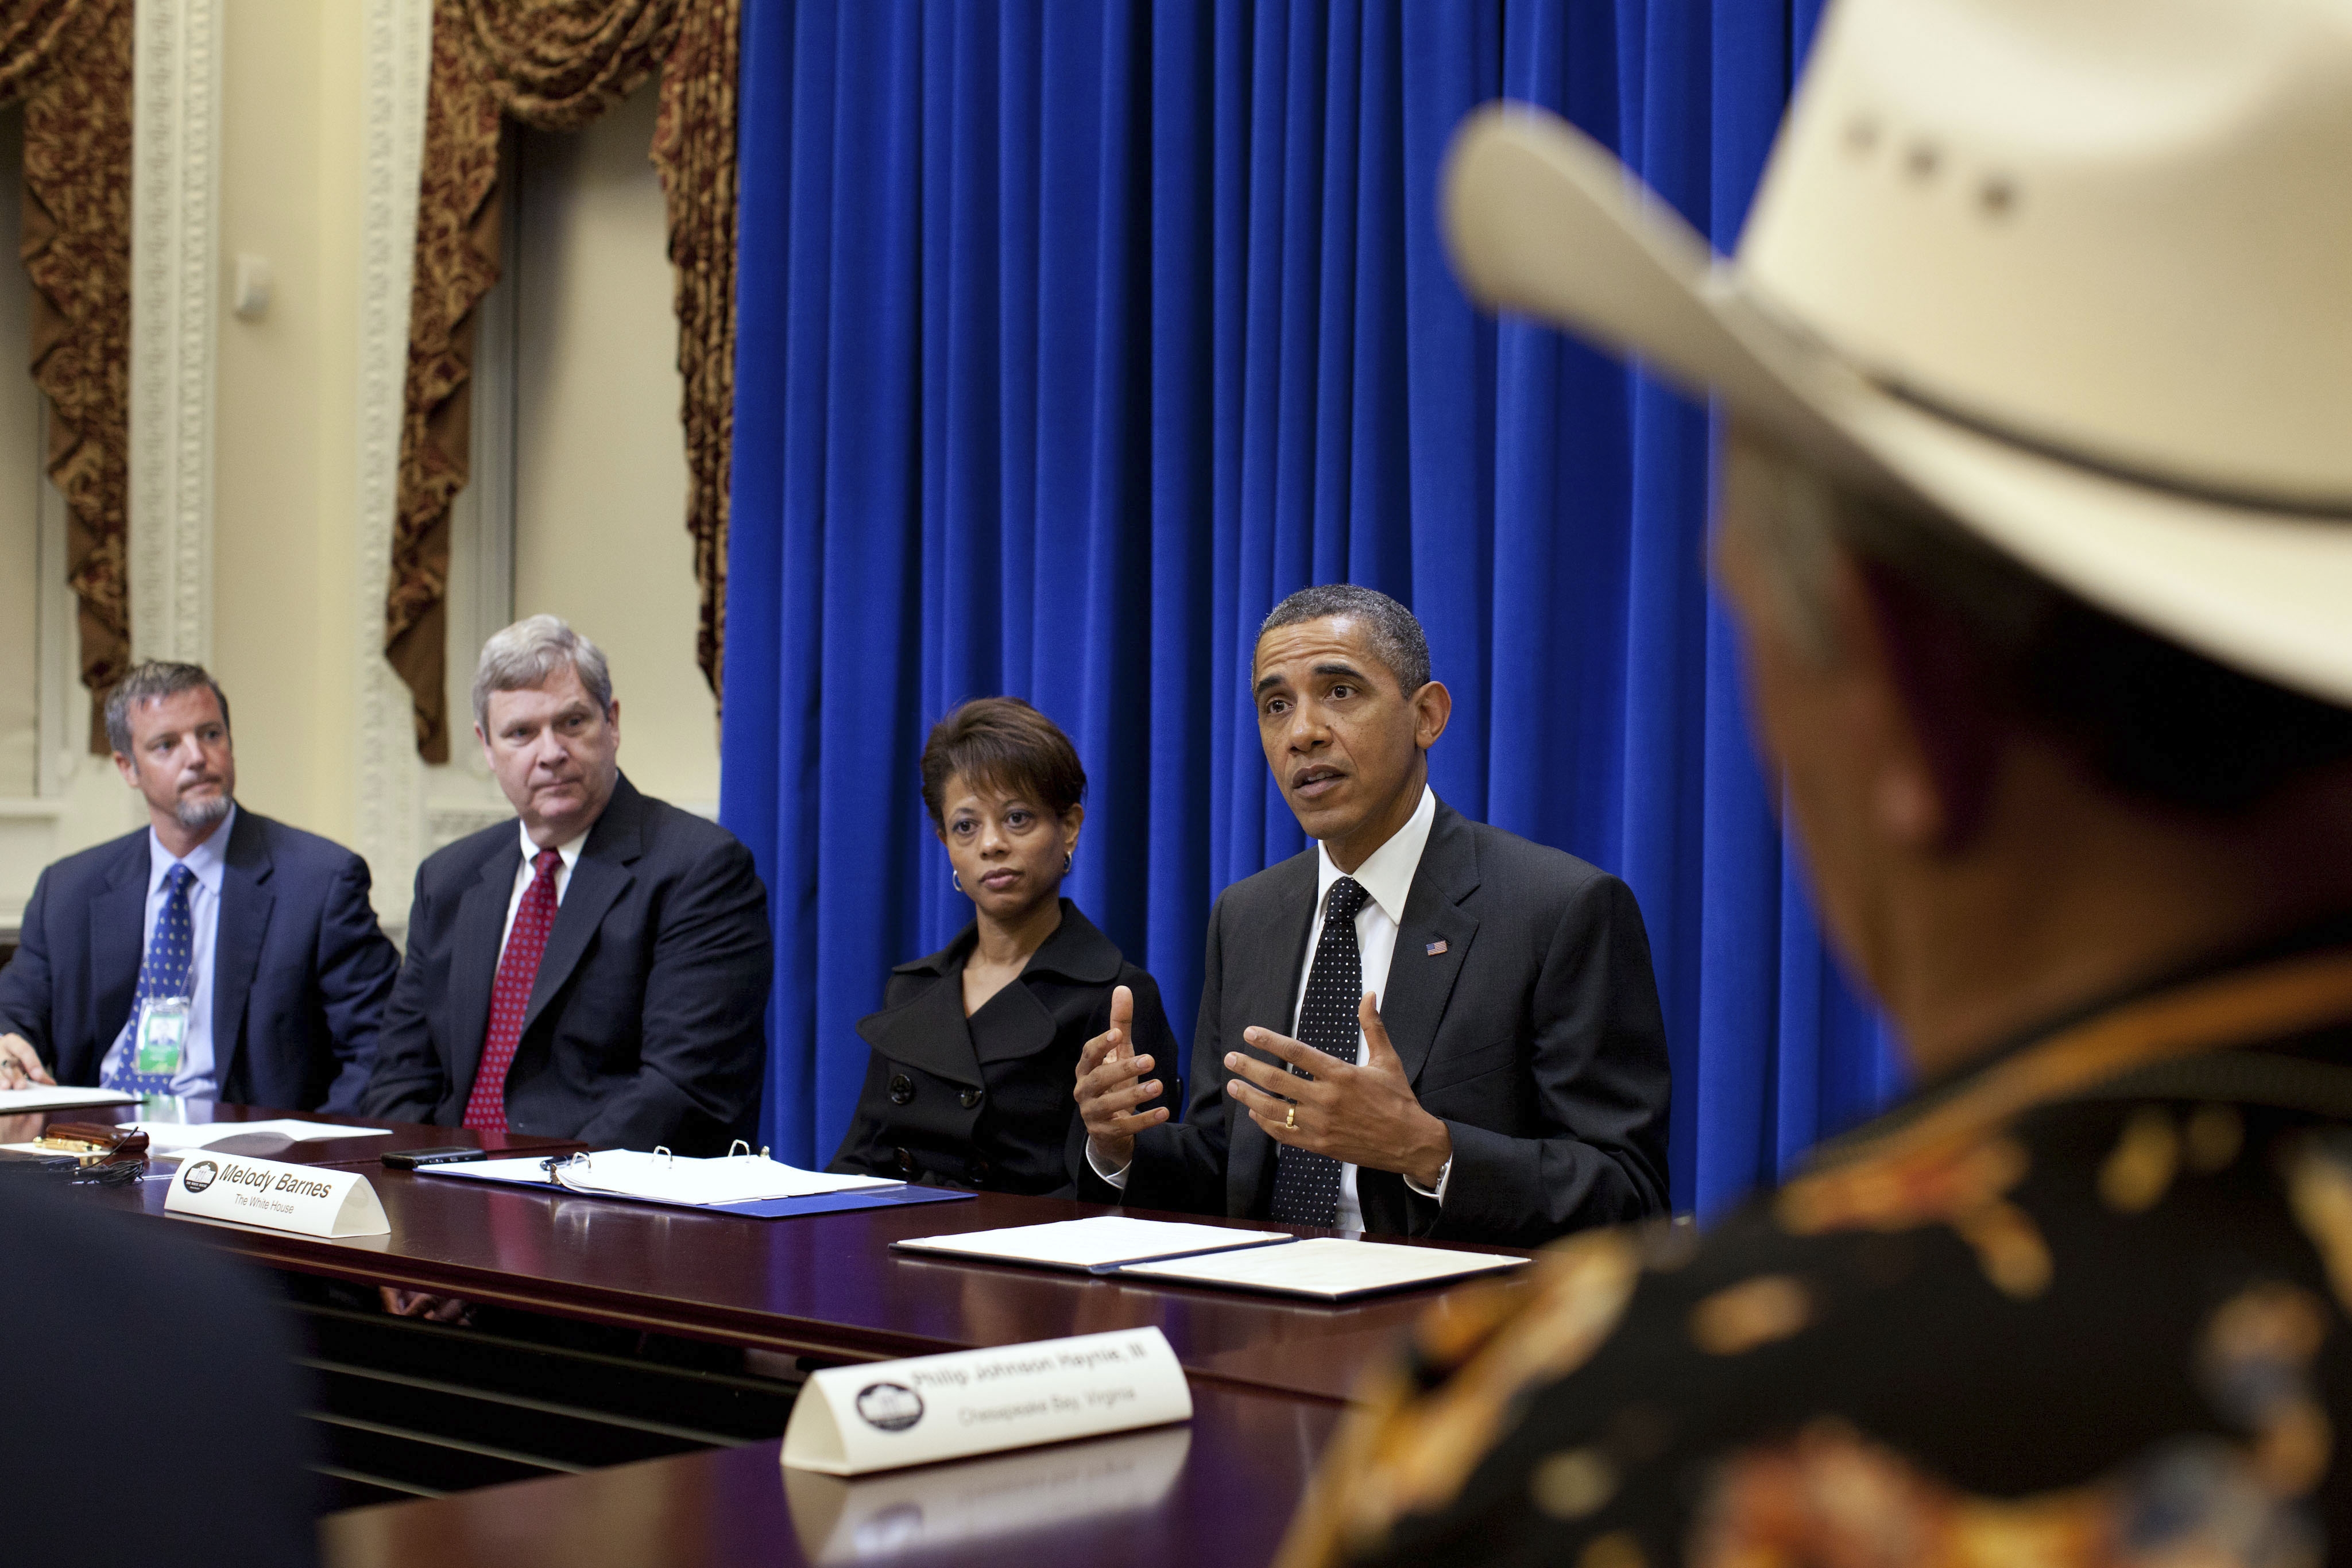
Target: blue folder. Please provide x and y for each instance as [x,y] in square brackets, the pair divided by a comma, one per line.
[755,1208]
[834,1202]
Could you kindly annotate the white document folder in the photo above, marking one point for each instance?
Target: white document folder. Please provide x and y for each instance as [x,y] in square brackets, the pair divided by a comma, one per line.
[1328,1268]
[1095,1245]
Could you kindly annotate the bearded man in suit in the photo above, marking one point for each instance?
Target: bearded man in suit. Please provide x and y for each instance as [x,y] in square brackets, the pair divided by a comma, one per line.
[215,954]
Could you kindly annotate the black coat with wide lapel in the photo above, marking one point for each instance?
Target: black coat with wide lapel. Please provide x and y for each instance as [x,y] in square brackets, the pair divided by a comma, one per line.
[1272,918]
[246,903]
[984,1101]
[298,975]
[643,1024]
[1412,1001]
[1533,1033]
[1420,985]
[601,876]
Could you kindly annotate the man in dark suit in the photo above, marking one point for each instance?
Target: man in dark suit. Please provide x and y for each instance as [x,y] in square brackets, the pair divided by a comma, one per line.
[242,953]
[599,970]
[1425,1026]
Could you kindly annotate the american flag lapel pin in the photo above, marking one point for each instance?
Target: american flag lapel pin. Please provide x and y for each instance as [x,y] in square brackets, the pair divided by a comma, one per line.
[1434,948]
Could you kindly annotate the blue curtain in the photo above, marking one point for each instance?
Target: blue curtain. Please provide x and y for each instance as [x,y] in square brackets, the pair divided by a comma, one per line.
[1073,336]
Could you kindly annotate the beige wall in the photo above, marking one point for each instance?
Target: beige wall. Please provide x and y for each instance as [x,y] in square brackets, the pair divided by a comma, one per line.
[600,462]
[285,476]
[599,470]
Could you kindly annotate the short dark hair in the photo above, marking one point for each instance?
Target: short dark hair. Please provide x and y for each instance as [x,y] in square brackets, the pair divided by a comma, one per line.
[146,683]
[2148,717]
[1393,631]
[1005,743]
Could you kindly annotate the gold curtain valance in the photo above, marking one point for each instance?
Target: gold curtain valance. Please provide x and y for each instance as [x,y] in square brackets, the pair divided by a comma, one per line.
[556,65]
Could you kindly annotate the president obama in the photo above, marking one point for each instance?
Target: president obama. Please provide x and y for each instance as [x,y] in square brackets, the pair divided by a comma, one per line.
[1424,1026]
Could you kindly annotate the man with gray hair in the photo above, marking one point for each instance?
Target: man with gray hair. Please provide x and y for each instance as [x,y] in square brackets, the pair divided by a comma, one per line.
[215,955]
[599,969]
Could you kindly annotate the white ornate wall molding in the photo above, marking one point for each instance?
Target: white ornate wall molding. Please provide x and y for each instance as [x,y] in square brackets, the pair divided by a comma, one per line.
[174,290]
[398,41]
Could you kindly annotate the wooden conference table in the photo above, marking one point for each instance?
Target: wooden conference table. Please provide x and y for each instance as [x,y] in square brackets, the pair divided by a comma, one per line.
[1270,1377]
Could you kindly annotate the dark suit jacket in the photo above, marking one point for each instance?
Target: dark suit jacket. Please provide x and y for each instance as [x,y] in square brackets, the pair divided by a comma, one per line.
[986,1101]
[300,970]
[645,1026]
[1535,1037]
[109,1312]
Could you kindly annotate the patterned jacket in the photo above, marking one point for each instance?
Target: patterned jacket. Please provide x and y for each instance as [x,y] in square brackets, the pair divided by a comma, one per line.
[2085,1303]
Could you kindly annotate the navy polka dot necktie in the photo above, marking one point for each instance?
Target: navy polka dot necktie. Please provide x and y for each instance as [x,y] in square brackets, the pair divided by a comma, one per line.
[1306,1185]
[164,976]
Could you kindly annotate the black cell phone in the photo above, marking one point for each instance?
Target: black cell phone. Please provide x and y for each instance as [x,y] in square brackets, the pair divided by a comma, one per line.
[409,1159]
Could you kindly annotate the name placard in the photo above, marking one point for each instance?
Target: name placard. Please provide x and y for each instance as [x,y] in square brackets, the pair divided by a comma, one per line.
[849,1520]
[309,1201]
[849,1420]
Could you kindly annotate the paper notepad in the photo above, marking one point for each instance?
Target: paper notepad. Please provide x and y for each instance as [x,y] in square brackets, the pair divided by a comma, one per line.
[669,1178]
[163,1137]
[15,1102]
[1328,1268]
[1096,1245]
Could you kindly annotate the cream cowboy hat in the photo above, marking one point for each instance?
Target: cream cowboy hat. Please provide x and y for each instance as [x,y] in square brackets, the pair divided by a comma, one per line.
[2079,272]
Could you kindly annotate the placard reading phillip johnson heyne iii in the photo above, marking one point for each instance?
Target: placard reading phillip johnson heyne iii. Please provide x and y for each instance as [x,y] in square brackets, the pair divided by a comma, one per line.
[852,1420]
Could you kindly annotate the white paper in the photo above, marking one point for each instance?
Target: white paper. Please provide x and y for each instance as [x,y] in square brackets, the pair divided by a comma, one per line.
[1001,1498]
[1101,1242]
[736,1178]
[163,1137]
[1327,1266]
[849,1420]
[308,1200]
[40,1097]
[662,1178]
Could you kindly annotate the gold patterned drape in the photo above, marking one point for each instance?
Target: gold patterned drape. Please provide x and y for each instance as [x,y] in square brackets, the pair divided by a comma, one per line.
[68,62]
[556,65]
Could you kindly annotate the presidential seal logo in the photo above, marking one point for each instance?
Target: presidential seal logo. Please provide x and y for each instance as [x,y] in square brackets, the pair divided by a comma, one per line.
[200,1175]
[890,1406]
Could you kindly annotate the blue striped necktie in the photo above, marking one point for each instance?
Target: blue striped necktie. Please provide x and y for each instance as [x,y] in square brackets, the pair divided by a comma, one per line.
[164,974]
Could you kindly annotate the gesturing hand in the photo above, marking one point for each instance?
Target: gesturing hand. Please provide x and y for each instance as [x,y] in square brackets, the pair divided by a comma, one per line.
[1364,1115]
[1107,1090]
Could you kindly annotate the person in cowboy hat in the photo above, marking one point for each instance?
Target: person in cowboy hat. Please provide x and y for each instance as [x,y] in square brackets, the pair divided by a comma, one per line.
[2036,521]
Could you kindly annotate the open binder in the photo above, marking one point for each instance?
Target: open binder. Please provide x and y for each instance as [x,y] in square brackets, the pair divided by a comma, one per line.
[744,1184]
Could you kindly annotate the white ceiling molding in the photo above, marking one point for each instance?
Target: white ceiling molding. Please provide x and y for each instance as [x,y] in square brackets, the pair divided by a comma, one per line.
[174,238]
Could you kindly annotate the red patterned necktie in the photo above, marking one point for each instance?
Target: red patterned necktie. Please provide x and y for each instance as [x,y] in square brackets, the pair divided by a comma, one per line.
[485,1107]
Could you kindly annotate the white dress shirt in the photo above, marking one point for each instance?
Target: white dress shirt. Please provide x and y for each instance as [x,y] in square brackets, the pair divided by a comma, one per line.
[1386,876]
[199,1075]
[525,875]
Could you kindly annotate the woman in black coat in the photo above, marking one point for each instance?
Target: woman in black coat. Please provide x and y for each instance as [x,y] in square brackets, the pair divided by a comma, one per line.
[976,1047]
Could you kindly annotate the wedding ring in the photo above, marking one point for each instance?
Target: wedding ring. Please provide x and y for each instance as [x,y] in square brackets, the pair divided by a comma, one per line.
[1290,1119]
